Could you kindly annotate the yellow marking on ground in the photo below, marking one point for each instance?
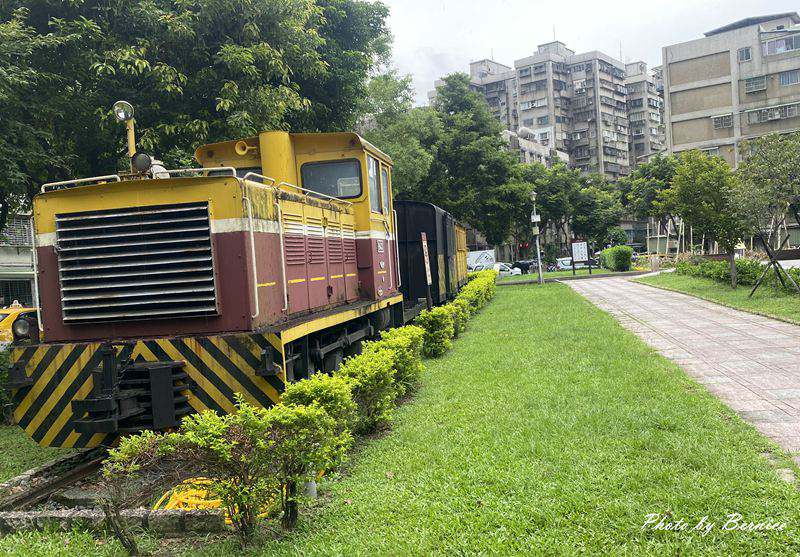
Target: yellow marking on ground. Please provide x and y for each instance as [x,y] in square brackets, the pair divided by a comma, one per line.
[295,281]
[313,279]
[263,284]
[337,276]
[350,275]
[82,392]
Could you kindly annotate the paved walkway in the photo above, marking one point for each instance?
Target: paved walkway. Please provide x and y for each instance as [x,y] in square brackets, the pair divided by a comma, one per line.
[751,363]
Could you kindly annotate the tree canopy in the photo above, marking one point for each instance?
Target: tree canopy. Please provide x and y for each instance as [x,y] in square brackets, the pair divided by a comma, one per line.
[197,71]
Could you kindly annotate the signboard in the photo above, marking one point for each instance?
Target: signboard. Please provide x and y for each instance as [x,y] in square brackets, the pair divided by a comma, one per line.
[580,252]
[427,259]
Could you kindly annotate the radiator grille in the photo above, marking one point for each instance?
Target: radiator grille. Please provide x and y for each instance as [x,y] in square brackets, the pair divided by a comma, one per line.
[136,263]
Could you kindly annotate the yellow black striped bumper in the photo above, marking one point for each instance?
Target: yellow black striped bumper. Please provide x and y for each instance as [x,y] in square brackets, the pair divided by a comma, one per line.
[56,374]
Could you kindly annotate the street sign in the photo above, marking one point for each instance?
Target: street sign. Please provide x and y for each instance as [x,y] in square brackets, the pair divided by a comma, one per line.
[427,259]
[535,217]
[580,252]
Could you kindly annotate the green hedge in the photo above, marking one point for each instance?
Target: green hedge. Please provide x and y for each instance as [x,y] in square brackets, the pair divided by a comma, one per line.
[617,258]
[747,271]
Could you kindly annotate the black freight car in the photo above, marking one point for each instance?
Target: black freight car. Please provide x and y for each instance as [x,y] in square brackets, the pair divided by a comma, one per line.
[414,218]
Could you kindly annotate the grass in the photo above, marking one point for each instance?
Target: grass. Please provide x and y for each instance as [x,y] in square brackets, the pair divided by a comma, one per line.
[767,301]
[20,453]
[547,430]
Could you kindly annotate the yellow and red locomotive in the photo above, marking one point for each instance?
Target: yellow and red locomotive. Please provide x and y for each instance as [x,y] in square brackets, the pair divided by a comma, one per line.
[168,292]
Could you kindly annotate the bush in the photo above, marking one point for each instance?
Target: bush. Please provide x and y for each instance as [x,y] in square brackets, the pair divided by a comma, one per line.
[371,378]
[406,345]
[439,328]
[747,270]
[617,258]
[459,311]
[332,394]
[480,289]
[247,459]
[5,399]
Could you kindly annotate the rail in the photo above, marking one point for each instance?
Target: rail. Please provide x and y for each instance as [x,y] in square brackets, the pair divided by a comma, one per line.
[283,259]
[315,193]
[50,186]
[253,254]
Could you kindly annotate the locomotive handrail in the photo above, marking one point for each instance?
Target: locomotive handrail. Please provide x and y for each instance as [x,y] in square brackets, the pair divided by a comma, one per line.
[312,192]
[283,259]
[253,254]
[35,262]
[396,249]
[50,185]
[231,169]
[257,175]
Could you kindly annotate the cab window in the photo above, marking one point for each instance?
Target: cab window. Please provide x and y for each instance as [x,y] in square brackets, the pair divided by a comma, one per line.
[385,189]
[335,178]
[374,187]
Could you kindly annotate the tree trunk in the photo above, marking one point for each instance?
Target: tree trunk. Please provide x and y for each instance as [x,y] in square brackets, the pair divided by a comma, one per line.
[733,268]
[114,520]
[290,506]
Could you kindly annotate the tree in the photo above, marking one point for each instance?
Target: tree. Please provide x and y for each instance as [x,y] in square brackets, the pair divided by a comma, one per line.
[389,98]
[555,195]
[596,209]
[769,176]
[643,193]
[704,194]
[197,71]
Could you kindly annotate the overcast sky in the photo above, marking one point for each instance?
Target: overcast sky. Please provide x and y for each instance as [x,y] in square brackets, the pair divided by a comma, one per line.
[436,37]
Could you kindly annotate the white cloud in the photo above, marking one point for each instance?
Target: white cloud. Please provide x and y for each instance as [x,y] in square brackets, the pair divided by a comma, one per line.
[436,37]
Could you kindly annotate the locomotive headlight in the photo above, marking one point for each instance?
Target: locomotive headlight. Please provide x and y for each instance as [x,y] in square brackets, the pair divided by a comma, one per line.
[141,162]
[123,111]
[21,328]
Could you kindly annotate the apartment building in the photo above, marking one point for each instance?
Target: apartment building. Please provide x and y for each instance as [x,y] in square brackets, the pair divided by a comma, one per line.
[737,82]
[560,106]
[645,112]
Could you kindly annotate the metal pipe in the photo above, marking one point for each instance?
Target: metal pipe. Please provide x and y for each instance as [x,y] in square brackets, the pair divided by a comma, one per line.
[253,253]
[35,261]
[131,133]
[114,177]
[312,192]
[257,175]
[283,259]
[396,249]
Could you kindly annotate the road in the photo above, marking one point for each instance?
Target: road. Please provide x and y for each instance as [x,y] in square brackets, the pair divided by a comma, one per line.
[751,363]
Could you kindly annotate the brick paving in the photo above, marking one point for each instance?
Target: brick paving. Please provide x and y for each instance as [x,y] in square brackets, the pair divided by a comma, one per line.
[751,363]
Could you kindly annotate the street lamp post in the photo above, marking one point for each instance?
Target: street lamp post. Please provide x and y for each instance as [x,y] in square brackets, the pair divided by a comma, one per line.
[535,219]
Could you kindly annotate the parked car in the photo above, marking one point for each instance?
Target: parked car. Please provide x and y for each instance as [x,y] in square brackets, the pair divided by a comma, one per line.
[10,315]
[506,270]
[565,264]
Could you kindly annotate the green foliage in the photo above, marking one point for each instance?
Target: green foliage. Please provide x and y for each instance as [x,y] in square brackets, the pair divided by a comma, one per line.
[642,192]
[479,290]
[439,329]
[332,394]
[747,272]
[5,399]
[460,312]
[617,258]
[197,71]
[406,345]
[371,377]
[616,236]
[596,209]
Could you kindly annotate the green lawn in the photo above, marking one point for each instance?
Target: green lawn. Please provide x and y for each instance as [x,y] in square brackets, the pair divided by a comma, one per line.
[547,430]
[766,301]
[20,453]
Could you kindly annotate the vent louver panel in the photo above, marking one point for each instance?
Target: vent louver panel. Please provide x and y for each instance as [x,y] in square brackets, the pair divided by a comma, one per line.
[136,263]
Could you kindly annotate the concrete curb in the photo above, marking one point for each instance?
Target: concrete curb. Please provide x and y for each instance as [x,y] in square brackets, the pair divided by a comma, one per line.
[166,523]
[578,277]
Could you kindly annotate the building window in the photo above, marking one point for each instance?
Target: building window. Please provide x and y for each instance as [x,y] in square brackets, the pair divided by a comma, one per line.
[754,84]
[527,122]
[637,117]
[779,46]
[711,152]
[525,72]
[724,121]
[791,77]
[768,114]
[745,54]
[540,68]
[543,120]
[15,290]
[636,103]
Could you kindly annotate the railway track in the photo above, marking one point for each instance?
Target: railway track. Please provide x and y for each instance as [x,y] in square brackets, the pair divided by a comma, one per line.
[39,485]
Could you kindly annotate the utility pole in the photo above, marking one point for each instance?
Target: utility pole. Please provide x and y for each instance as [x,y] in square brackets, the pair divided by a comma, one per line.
[535,219]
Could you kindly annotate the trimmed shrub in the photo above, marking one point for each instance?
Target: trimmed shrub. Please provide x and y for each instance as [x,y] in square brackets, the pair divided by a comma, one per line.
[371,378]
[459,311]
[747,270]
[439,327]
[332,394]
[406,344]
[617,258]
[479,290]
